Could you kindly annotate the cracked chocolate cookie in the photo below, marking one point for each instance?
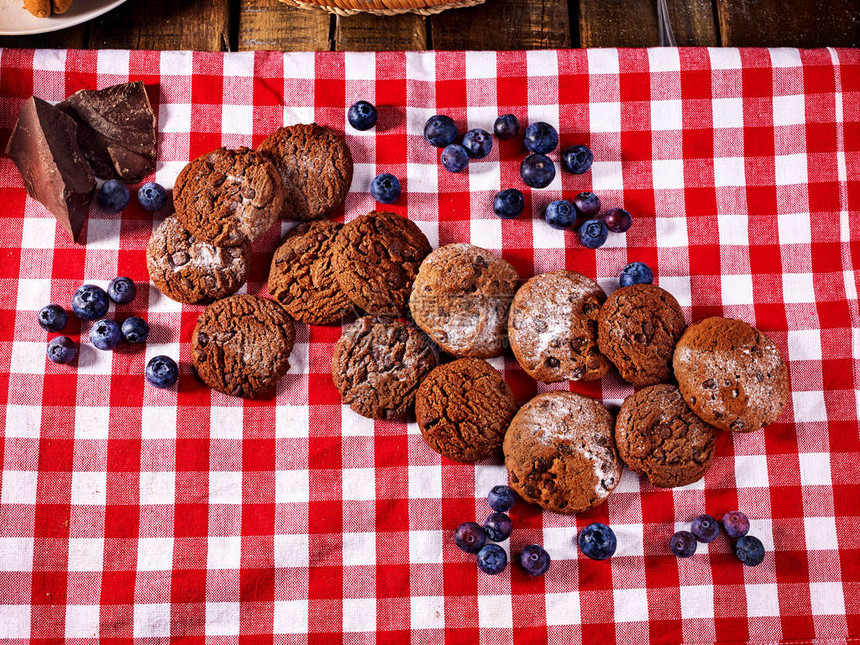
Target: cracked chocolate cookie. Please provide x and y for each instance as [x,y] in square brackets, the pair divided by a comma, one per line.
[637,329]
[464,408]
[731,374]
[560,452]
[376,257]
[659,436]
[316,166]
[241,345]
[187,270]
[553,327]
[226,197]
[302,278]
[461,298]
[378,364]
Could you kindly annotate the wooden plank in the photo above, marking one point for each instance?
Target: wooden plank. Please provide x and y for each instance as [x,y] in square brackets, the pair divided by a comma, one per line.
[71,38]
[693,23]
[270,24]
[633,23]
[367,32]
[789,23]
[504,24]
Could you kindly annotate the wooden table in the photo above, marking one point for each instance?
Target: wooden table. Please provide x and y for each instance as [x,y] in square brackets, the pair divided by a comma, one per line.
[498,24]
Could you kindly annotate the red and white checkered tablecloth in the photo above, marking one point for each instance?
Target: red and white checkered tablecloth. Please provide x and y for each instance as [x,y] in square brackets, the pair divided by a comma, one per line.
[133,514]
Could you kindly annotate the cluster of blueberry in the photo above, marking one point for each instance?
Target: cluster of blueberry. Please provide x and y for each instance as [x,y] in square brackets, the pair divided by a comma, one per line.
[704,528]
[113,196]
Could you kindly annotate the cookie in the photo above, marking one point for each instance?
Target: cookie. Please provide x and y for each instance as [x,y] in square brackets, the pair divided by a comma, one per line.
[316,166]
[376,258]
[39,8]
[187,270]
[241,345]
[560,452]
[659,436]
[463,409]
[552,327]
[731,374]
[226,197]
[302,278]
[378,364]
[461,298]
[637,329]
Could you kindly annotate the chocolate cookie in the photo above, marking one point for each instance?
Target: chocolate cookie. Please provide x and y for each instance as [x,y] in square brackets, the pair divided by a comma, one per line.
[731,374]
[553,327]
[560,452]
[241,345]
[637,329]
[375,258]
[461,298]
[228,196]
[187,270]
[378,364]
[302,278]
[464,408]
[659,436]
[316,166]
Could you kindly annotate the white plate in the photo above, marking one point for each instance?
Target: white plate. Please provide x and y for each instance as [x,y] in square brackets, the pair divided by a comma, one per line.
[15,20]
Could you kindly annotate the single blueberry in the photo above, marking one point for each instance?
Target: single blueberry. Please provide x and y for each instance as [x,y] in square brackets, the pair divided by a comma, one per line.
[478,143]
[683,544]
[736,524]
[90,302]
[577,159]
[492,559]
[560,214]
[52,317]
[617,220]
[534,559]
[113,196]
[105,334]
[135,329]
[440,130]
[470,537]
[61,350]
[362,115]
[541,137]
[705,528]
[537,171]
[121,290]
[162,371]
[498,527]
[152,196]
[749,550]
[506,126]
[636,273]
[593,233]
[454,158]
[508,203]
[598,541]
[385,188]
[588,204]
[501,498]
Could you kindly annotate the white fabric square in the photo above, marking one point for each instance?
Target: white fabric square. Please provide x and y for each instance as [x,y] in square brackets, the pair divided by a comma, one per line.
[86,554]
[630,540]
[225,422]
[92,422]
[225,487]
[734,229]
[486,475]
[820,533]
[542,62]
[421,66]
[38,233]
[671,232]
[237,119]
[14,621]
[294,114]
[291,616]
[604,117]
[425,482]
[291,421]
[113,61]
[607,175]
[737,289]
[602,61]
[421,177]
[23,421]
[359,549]
[664,59]
[359,483]
[353,424]
[428,612]
[481,64]
[34,294]
[809,406]
[814,469]
[359,614]
[794,228]
[176,63]
[484,177]
[103,233]
[486,233]
[222,618]
[729,171]
[804,345]
[751,471]
[631,605]
[667,174]
[495,612]
[797,287]
[158,422]
[724,58]
[630,482]
[27,357]
[174,117]
[762,600]
[425,546]
[784,57]
[89,488]
[151,620]
[291,550]
[562,608]
[789,110]
[239,64]
[851,294]
[299,65]
[82,621]
[49,60]
[790,169]
[154,554]
[697,601]
[16,554]
[224,552]
[359,66]
[19,487]
[666,115]
[546,237]
[93,361]
[291,486]
[827,599]
[678,286]
[728,113]
[556,541]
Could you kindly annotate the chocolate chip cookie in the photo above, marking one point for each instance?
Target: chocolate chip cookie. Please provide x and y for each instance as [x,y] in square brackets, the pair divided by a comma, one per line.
[241,345]
[659,436]
[187,270]
[302,278]
[637,329]
[553,327]
[461,298]
[226,197]
[375,258]
[464,408]
[560,452]
[316,166]
[378,364]
[731,374]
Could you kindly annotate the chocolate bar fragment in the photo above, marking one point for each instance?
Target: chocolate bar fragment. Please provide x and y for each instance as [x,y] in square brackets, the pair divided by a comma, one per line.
[44,146]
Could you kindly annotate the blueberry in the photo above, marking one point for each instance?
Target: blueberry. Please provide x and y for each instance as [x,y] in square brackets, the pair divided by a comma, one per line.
[135,329]
[492,559]
[362,115]
[537,171]
[636,273]
[705,528]
[577,159]
[749,550]
[501,498]
[385,188]
[617,220]
[113,196]
[593,233]
[440,130]
[588,204]
[683,544]
[560,214]
[478,143]
[598,541]
[121,290]
[509,203]
[161,371]
[541,137]
[52,317]
[90,302]
[61,350]
[506,126]
[736,524]
[470,537]
[105,334]
[152,196]
[455,158]
[535,560]
[498,527]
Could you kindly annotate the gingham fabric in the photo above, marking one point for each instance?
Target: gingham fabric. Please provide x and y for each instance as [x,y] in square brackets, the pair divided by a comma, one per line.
[134,514]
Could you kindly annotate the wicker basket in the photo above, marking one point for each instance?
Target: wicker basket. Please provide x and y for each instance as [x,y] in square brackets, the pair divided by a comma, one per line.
[382,7]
